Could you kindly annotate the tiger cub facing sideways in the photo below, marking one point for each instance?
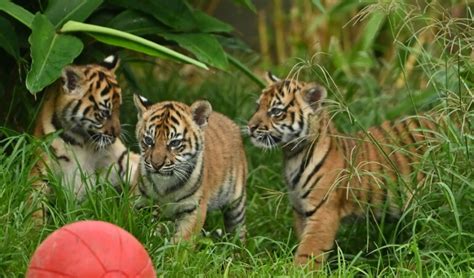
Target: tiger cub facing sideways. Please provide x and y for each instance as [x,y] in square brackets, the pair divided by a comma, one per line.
[83,106]
[192,161]
[319,162]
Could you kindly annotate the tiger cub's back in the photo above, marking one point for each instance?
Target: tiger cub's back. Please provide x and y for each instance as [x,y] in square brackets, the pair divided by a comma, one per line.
[224,159]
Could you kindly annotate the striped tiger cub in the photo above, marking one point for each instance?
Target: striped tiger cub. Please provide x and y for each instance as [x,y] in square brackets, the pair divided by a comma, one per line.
[330,175]
[84,107]
[192,161]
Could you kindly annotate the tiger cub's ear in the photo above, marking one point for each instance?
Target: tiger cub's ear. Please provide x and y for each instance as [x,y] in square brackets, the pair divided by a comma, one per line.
[201,110]
[141,103]
[270,78]
[73,81]
[111,62]
[313,94]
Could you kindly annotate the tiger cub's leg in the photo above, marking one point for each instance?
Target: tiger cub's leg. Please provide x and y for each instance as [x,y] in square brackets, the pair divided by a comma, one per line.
[40,189]
[299,224]
[234,216]
[35,200]
[318,235]
[190,221]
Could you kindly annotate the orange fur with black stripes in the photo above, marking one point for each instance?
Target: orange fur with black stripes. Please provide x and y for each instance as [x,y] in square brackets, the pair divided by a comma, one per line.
[84,107]
[330,175]
[192,161]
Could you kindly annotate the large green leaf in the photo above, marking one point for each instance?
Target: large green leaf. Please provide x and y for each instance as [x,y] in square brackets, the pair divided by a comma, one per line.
[204,46]
[208,24]
[50,52]
[175,14]
[60,11]
[137,23]
[120,42]
[129,41]
[8,38]
[18,12]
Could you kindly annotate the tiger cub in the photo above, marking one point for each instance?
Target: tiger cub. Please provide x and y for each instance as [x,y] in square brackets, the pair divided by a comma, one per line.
[319,162]
[83,106]
[192,161]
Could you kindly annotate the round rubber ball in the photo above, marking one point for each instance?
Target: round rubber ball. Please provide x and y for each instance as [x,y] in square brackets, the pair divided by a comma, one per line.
[90,249]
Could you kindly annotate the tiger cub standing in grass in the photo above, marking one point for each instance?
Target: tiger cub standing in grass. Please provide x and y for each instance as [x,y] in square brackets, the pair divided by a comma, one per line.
[192,161]
[83,106]
[330,175]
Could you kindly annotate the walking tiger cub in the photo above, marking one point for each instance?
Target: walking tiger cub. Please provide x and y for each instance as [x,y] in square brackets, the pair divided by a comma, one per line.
[330,175]
[192,161]
[84,106]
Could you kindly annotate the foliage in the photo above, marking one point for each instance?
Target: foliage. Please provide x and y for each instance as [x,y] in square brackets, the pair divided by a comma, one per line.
[174,21]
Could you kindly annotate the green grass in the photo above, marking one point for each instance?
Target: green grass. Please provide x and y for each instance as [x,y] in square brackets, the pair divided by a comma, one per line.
[434,237]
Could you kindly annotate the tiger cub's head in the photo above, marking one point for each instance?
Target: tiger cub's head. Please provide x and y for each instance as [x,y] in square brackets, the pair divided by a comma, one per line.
[283,111]
[88,104]
[170,136]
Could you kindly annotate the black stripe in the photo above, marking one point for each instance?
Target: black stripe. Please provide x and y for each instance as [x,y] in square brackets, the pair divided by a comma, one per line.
[288,127]
[101,76]
[121,157]
[308,157]
[154,117]
[311,188]
[303,165]
[174,120]
[235,219]
[179,114]
[290,103]
[66,138]
[178,185]
[86,111]
[55,122]
[319,165]
[181,213]
[63,157]
[70,140]
[76,107]
[194,188]
[313,211]
[236,203]
[106,90]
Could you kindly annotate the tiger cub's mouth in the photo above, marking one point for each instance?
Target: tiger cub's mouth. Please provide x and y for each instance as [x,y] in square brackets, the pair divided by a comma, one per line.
[265,140]
[165,172]
[100,140]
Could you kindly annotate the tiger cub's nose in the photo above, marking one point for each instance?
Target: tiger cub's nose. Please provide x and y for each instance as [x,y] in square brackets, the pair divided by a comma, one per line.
[252,128]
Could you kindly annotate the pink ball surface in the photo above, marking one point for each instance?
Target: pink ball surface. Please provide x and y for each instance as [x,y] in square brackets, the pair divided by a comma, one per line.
[90,249]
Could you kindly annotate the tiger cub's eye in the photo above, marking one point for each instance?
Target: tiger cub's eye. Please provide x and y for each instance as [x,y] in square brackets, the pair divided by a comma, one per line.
[174,143]
[148,141]
[105,114]
[276,112]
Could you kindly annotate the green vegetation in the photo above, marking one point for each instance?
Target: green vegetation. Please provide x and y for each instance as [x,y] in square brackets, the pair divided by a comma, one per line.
[379,60]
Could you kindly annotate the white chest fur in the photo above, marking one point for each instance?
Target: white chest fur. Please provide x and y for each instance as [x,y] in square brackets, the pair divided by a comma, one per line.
[79,166]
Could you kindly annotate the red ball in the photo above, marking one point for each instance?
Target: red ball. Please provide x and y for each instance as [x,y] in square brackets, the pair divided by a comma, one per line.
[90,249]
